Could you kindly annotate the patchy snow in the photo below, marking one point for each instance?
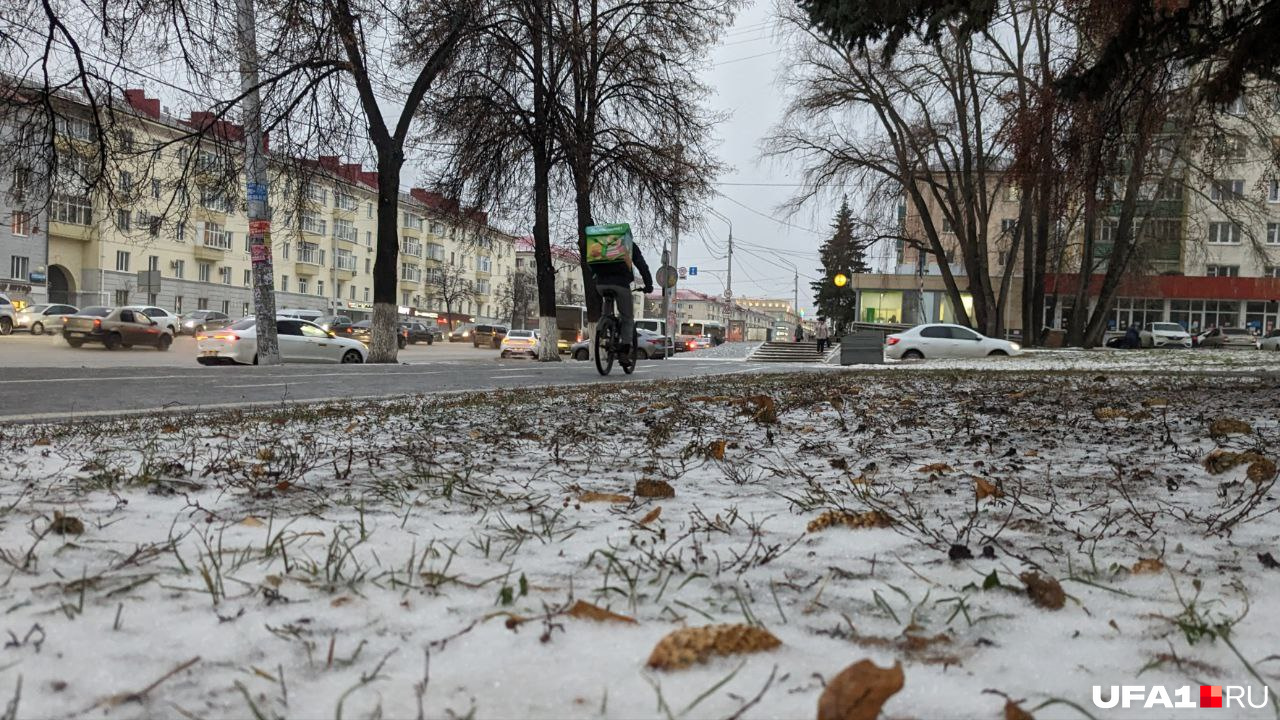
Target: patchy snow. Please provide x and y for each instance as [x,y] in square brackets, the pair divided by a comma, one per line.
[370,559]
[1138,361]
[723,351]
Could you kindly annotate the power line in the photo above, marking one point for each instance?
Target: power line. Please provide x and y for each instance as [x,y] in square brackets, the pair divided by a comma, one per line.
[767,217]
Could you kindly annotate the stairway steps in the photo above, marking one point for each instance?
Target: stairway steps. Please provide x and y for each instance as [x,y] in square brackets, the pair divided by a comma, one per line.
[805,352]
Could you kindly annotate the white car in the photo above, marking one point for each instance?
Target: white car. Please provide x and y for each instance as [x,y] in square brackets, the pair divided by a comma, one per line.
[1271,341]
[300,342]
[163,318]
[945,341]
[520,342]
[1163,335]
[41,319]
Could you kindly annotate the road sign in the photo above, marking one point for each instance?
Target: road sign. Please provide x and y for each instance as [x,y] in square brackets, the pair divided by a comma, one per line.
[666,277]
[684,272]
[149,281]
[693,270]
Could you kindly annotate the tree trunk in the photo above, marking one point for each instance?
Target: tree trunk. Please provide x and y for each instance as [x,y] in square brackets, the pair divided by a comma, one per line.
[382,347]
[590,295]
[1041,250]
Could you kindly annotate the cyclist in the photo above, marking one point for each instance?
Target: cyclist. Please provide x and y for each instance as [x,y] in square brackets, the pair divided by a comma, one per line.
[616,277]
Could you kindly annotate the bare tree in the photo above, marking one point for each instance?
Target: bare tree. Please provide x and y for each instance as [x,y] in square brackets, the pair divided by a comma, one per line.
[448,285]
[516,297]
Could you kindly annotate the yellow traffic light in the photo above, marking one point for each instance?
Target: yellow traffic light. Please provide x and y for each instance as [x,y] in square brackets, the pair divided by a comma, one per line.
[840,280]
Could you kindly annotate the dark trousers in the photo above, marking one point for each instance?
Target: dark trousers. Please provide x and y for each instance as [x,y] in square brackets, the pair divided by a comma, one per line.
[822,344]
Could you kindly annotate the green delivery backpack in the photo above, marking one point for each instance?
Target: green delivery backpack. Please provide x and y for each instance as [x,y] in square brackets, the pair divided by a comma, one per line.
[609,243]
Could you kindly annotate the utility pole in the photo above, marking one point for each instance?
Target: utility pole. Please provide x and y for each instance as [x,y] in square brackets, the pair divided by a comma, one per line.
[255,170]
[795,300]
[669,301]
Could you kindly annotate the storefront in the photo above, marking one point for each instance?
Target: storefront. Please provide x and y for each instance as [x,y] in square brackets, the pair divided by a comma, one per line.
[1195,303]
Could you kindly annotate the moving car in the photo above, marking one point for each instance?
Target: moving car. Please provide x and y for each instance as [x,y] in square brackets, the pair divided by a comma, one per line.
[300,342]
[490,335]
[462,333]
[1271,341]
[1221,337]
[40,319]
[163,318]
[1163,334]
[941,340]
[520,342]
[651,346]
[198,321]
[120,327]
[8,315]
[329,322]
[417,332]
[363,332]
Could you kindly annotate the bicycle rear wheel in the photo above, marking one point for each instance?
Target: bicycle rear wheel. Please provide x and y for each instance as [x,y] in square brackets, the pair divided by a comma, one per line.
[605,341]
[629,363]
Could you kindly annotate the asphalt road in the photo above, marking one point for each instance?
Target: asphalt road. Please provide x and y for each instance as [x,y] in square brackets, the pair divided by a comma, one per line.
[61,393]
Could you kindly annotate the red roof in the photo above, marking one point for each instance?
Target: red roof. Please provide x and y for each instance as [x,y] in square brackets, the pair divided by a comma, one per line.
[566,253]
[1175,287]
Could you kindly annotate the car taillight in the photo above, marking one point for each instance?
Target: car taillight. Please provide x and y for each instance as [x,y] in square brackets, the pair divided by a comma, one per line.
[225,336]
[97,322]
[892,340]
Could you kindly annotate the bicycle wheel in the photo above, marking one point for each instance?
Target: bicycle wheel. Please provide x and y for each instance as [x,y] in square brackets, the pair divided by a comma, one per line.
[605,341]
[629,363]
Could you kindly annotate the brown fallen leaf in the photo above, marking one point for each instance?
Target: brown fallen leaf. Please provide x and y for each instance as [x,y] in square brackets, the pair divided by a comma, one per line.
[1229,426]
[273,580]
[603,497]
[1147,566]
[1261,470]
[1043,590]
[688,646]
[839,463]
[340,601]
[654,489]
[937,468]
[1014,711]
[831,518]
[859,691]
[586,611]
[42,441]
[984,489]
[252,521]
[169,428]
[762,409]
[1109,413]
[651,516]
[66,525]
[715,450]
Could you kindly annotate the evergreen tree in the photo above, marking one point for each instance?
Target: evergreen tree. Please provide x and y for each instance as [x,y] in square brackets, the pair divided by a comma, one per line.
[843,254]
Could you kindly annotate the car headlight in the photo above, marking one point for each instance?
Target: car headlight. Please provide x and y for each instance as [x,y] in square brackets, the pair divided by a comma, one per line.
[1015,346]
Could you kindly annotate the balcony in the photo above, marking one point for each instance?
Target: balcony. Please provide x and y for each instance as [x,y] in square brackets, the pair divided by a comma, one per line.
[411,275]
[346,234]
[71,231]
[345,263]
[213,245]
[309,260]
[412,248]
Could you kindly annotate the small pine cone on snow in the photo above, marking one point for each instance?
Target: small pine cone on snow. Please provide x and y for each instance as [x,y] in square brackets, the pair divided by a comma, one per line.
[688,646]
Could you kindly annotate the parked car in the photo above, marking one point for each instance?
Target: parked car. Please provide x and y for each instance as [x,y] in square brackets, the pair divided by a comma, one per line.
[462,333]
[488,335]
[651,346]
[198,321]
[417,332]
[121,327]
[1221,337]
[328,322]
[46,318]
[363,332]
[520,342]
[1164,335]
[941,340]
[1271,341]
[300,314]
[163,318]
[8,315]
[300,341]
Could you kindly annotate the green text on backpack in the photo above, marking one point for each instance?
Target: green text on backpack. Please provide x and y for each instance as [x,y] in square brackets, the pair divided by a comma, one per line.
[608,243]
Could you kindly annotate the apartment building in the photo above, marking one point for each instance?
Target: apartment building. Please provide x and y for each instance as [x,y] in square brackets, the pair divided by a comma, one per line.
[323,230]
[565,262]
[780,310]
[23,243]
[741,322]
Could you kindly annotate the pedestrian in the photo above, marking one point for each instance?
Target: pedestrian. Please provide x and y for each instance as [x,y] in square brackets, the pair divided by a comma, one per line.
[1132,340]
[821,333]
[799,332]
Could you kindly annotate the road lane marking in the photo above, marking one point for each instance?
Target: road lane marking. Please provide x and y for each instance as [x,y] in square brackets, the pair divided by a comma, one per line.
[197,374]
[504,377]
[256,385]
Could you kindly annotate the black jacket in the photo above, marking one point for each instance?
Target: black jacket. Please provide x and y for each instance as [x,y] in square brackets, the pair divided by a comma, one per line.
[617,273]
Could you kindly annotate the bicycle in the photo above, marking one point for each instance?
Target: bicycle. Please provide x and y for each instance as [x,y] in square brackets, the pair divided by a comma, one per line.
[608,328]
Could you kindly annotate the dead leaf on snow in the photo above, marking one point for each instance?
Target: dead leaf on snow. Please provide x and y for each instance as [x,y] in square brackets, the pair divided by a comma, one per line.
[654,489]
[603,497]
[41,441]
[273,580]
[252,521]
[1014,711]
[839,463]
[859,691]
[169,428]
[715,450]
[586,611]
[340,601]
[66,525]
[937,468]
[831,518]
[651,516]
[688,646]
[1043,590]
[762,409]
[1229,426]
[985,489]
[1147,566]
[1261,470]
[1156,402]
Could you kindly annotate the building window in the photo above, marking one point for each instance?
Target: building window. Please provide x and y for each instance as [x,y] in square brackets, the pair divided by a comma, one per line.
[368,266]
[1226,190]
[368,210]
[1222,270]
[244,309]
[1271,271]
[1273,233]
[122,297]
[353,292]
[182,232]
[179,267]
[72,209]
[302,285]
[1273,191]
[177,304]
[126,182]
[366,294]
[248,278]
[1224,233]
[225,273]
[152,298]
[202,303]
[203,272]
[19,267]
[404,298]
[226,307]
[122,260]
[284,283]
[155,189]
[368,239]
[1235,107]
[153,262]
[153,225]
[320,288]
[123,220]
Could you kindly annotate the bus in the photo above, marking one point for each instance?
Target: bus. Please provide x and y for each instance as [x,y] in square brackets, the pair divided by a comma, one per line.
[699,328]
[571,322]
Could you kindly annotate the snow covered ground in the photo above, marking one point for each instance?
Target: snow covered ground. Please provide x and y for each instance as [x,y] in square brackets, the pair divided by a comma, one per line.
[723,351]
[421,557]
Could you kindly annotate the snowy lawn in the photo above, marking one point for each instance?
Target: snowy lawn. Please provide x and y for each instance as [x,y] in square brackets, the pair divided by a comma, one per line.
[1005,537]
[1105,359]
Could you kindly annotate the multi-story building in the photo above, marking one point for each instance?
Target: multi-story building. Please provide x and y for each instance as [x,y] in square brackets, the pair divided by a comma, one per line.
[741,321]
[565,262]
[23,244]
[323,230]
[780,310]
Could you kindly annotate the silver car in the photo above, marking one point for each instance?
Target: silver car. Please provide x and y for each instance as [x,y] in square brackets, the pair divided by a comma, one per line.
[1164,335]
[46,318]
[1271,341]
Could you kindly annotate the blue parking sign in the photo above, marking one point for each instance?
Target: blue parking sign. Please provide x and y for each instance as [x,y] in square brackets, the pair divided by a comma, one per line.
[693,270]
